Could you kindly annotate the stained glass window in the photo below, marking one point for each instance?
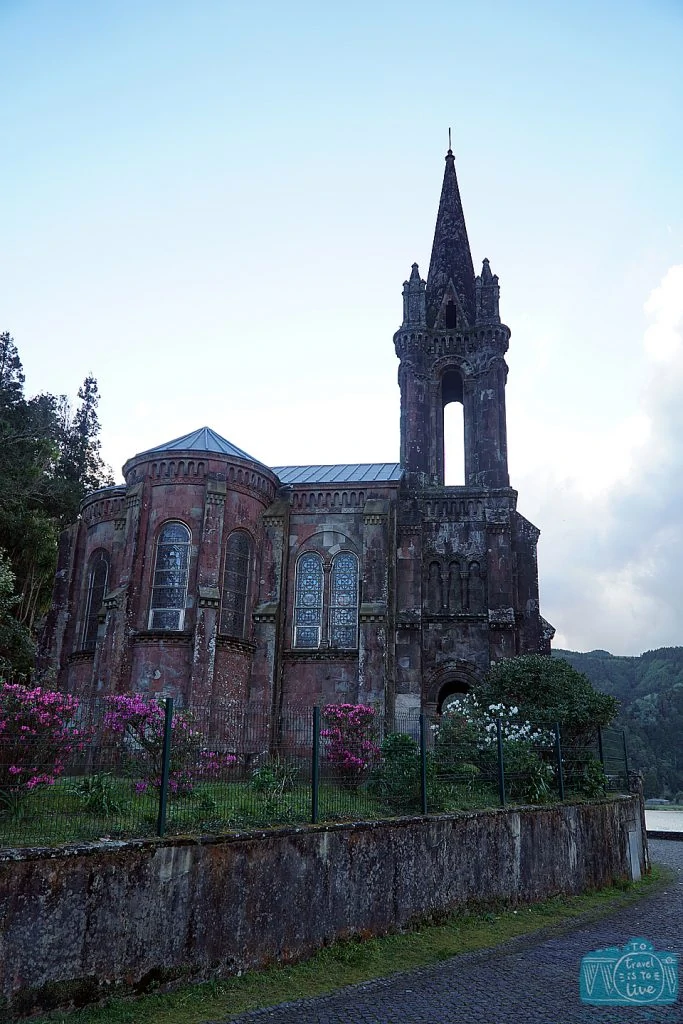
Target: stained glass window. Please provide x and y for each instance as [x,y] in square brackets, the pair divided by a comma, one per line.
[344,601]
[97,587]
[169,590]
[308,603]
[235,584]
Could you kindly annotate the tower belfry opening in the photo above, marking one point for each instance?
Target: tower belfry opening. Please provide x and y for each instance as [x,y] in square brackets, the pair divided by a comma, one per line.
[453,427]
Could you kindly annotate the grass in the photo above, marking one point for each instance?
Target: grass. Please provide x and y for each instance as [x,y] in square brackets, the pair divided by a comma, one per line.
[354,961]
[64,813]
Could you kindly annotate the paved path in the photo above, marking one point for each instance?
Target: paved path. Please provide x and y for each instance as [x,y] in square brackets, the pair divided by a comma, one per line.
[530,981]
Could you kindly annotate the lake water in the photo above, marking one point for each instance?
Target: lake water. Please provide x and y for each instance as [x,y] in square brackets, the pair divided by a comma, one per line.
[664,819]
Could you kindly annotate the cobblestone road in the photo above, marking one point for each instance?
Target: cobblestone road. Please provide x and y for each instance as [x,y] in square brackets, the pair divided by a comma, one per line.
[533,981]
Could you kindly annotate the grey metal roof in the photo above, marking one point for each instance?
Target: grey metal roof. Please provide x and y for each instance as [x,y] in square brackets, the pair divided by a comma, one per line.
[346,473]
[202,440]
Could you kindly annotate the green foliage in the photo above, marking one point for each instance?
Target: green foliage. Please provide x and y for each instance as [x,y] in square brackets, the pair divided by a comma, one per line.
[528,777]
[274,778]
[396,779]
[650,689]
[548,690]
[49,460]
[590,780]
[16,644]
[99,794]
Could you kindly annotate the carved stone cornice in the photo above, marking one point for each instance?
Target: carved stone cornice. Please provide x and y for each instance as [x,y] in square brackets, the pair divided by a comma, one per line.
[161,638]
[214,498]
[234,643]
[502,618]
[266,612]
[114,598]
[208,597]
[373,611]
[78,656]
[326,654]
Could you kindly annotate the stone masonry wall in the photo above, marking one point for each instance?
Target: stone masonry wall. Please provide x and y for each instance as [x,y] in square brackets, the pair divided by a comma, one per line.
[81,922]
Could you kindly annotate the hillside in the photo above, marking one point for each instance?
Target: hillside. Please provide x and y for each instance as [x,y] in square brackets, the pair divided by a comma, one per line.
[650,690]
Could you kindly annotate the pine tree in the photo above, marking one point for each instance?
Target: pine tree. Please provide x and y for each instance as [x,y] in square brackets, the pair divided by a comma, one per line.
[81,463]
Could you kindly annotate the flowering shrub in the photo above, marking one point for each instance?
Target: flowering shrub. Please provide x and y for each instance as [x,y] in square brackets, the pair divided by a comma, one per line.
[468,735]
[37,735]
[350,733]
[141,722]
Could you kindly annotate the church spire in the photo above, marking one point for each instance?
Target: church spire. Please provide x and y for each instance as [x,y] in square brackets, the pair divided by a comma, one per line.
[450,270]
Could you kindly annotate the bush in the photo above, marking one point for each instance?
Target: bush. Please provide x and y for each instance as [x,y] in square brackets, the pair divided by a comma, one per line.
[548,690]
[466,748]
[396,779]
[38,734]
[590,779]
[350,747]
[99,794]
[273,779]
[140,723]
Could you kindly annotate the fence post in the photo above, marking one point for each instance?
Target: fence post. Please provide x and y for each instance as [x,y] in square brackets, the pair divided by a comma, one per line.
[165,766]
[423,762]
[558,754]
[623,739]
[501,762]
[601,749]
[315,766]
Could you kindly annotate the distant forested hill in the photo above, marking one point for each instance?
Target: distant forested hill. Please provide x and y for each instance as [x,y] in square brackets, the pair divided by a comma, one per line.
[650,689]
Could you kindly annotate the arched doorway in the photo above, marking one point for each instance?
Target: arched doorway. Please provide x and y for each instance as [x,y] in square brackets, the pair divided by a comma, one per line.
[451,691]
[452,679]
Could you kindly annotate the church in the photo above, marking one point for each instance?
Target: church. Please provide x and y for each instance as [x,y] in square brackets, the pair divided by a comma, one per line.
[211,577]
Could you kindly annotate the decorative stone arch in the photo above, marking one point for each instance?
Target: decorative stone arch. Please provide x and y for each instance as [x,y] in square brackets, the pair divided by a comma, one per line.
[328,541]
[447,363]
[447,679]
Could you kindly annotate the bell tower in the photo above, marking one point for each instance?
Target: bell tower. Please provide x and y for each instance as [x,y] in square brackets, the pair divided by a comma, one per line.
[452,345]
[467,578]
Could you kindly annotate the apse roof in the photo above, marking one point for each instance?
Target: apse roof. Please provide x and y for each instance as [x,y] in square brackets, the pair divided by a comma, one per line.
[202,440]
[345,473]
[207,440]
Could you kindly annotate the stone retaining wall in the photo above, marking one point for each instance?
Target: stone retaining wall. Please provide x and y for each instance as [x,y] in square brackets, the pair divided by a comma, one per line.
[79,922]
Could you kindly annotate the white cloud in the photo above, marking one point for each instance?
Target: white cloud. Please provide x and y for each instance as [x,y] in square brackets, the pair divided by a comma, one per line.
[611,560]
[663,337]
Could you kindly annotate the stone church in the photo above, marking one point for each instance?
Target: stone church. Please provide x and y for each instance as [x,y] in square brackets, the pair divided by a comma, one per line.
[209,576]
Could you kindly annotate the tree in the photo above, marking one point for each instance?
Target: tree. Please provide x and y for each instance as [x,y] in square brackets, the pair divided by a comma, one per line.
[81,463]
[548,690]
[49,460]
[16,646]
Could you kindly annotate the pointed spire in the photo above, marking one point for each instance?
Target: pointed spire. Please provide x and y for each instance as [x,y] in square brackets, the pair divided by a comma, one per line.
[414,299]
[451,258]
[487,295]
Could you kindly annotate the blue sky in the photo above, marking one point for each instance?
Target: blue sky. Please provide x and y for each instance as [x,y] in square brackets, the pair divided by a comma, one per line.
[212,207]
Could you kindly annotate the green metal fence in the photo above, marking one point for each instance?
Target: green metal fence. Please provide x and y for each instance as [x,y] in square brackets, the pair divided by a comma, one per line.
[207,770]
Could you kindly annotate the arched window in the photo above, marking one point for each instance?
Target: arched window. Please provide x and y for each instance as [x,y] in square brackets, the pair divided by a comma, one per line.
[97,587]
[169,589]
[308,601]
[344,601]
[236,583]
[452,396]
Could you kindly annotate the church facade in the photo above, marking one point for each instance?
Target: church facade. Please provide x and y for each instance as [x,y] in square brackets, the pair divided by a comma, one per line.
[209,576]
